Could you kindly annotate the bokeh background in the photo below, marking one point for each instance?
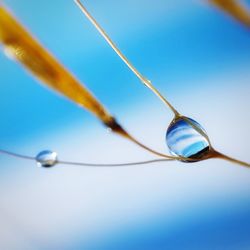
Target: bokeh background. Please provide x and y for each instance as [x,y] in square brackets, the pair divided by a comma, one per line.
[199,58]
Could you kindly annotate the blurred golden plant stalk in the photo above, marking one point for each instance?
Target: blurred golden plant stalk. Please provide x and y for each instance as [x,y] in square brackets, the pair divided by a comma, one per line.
[234,8]
[21,46]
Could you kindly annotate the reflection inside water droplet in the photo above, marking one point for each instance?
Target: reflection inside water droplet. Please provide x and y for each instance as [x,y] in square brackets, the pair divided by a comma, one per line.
[46,158]
[184,140]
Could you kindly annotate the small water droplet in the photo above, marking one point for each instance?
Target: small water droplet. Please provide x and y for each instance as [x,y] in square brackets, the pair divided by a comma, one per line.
[185,141]
[46,158]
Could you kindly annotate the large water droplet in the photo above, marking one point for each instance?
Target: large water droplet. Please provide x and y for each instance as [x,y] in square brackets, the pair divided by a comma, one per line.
[183,139]
[46,158]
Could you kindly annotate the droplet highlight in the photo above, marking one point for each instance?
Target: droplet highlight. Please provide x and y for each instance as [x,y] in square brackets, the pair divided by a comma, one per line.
[184,139]
[46,158]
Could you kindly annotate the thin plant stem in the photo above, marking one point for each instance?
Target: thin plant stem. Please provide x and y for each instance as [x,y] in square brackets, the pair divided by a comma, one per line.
[25,157]
[143,79]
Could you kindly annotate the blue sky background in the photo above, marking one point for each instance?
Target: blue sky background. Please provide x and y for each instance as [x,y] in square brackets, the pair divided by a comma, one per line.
[199,59]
